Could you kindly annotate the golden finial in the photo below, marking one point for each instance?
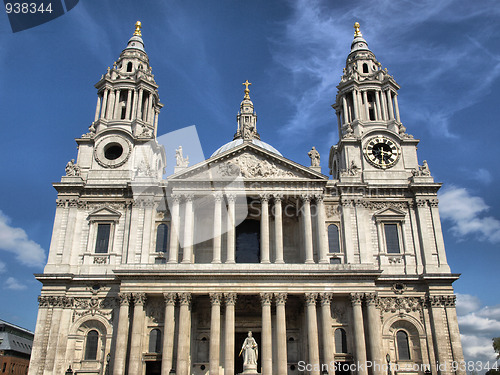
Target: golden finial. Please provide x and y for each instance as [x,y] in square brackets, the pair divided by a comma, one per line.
[357,32]
[247,91]
[138,29]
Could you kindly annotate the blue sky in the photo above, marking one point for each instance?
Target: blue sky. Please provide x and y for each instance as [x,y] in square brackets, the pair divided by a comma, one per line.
[445,55]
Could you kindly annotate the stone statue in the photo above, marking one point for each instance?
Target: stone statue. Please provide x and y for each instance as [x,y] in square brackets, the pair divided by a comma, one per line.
[422,170]
[180,160]
[314,155]
[72,169]
[248,131]
[250,354]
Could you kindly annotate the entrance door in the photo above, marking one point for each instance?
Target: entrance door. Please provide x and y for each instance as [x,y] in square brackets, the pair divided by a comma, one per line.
[153,368]
[238,362]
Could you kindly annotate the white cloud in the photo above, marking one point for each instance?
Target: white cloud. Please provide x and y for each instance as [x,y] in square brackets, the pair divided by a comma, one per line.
[478,325]
[467,214]
[13,284]
[16,241]
[3,267]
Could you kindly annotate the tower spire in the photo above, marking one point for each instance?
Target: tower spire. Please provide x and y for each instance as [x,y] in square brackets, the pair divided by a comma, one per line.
[247,91]
[138,27]
[247,118]
[357,32]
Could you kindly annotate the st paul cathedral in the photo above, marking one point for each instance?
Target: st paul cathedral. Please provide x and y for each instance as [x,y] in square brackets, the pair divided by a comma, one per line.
[247,262]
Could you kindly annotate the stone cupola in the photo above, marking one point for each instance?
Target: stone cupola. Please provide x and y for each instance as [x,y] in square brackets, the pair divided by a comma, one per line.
[247,118]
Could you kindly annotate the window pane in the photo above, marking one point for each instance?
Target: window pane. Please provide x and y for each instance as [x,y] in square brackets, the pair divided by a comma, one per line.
[391,238]
[403,346]
[248,242]
[161,238]
[340,341]
[155,341]
[102,242]
[333,239]
[91,345]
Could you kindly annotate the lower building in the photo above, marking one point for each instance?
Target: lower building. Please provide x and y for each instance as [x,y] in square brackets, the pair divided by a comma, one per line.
[15,349]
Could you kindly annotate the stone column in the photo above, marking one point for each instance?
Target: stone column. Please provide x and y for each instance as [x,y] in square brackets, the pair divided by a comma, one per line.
[183,346]
[267,341]
[322,234]
[312,332]
[375,333]
[97,107]
[281,340]
[168,334]
[104,103]
[264,229]
[346,110]
[173,253]
[129,106]
[230,299]
[327,337]
[366,111]
[441,344]
[355,104]
[217,235]
[278,228]
[383,100]
[308,239]
[157,113]
[135,361]
[134,105]
[230,229]
[389,102]
[110,104]
[215,299]
[456,343]
[122,335]
[438,233]
[116,115]
[139,104]
[50,353]
[145,110]
[188,230]
[377,101]
[359,332]
[396,107]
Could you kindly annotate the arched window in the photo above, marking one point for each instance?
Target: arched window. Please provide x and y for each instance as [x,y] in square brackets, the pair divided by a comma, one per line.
[161,238]
[248,242]
[340,341]
[155,341]
[403,346]
[365,68]
[333,239]
[129,67]
[91,344]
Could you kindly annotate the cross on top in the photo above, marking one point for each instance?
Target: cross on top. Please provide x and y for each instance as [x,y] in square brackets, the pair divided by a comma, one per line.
[247,91]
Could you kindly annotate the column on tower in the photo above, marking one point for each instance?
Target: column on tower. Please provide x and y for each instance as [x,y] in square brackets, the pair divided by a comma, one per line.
[281,340]
[230,299]
[355,103]
[425,236]
[438,232]
[230,258]
[389,102]
[139,104]
[383,100]
[312,332]
[168,334]
[98,106]
[321,229]
[308,239]
[278,229]
[110,104]
[327,330]
[157,112]
[104,103]
[134,105]
[377,101]
[135,361]
[264,229]
[147,108]
[374,332]
[116,110]
[122,335]
[129,106]
[215,300]
[174,230]
[183,345]
[365,105]
[345,109]
[217,234]
[188,229]
[359,332]
[267,349]
[396,107]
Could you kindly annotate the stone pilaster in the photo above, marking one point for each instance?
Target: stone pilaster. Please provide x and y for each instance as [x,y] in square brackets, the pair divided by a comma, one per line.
[230,299]
[183,346]
[168,334]
[135,361]
[327,330]
[281,333]
[122,334]
[374,331]
[215,300]
[312,332]
[359,332]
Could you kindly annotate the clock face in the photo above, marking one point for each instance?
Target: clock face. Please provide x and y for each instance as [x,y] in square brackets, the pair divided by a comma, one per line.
[381,152]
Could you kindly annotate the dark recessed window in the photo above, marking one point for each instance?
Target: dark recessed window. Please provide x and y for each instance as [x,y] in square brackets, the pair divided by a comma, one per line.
[161,238]
[91,345]
[129,67]
[113,151]
[340,341]
[155,341]
[248,242]
[392,238]
[403,346]
[333,239]
[365,68]
[102,241]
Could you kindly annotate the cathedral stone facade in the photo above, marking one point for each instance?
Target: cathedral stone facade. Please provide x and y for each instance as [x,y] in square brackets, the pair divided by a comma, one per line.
[149,274]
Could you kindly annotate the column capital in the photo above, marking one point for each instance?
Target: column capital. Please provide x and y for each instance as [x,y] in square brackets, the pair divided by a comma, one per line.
[176,198]
[311,298]
[319,198]
[326,298]
[450,301]
[230,298]
[139,298]
[124,298]
[215,298]
[217,196]
[188,197]
[280,298]
[278,198]
[266,298]
[264,197]
[184,298]
[356,298]
[372,299]
[170,298]
[306,198]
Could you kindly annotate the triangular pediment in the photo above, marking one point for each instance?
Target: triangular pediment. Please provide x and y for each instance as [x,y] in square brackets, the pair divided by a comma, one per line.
[249,162]
[390,213]
[104,214]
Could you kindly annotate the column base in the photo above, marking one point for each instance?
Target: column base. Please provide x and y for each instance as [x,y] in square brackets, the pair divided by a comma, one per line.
[217,261]
[172,262]
[230,262]
[186,262]
[324,261]
[309,262]
[265,261]
[279,262]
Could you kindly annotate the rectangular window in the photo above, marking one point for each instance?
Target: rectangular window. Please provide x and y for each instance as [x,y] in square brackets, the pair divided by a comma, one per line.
[392,238]
[102,242]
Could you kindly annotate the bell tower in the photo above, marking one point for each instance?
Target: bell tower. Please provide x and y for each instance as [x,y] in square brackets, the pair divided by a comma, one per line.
[121,142]
[373,144]
[247,118]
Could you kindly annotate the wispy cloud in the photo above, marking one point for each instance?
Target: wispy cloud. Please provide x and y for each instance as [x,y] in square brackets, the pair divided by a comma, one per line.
[3,267]
[16,241]
[13,284]
[478,325]
[467,215]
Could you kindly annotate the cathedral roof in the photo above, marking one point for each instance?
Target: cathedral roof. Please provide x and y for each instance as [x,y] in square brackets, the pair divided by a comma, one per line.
[239,141]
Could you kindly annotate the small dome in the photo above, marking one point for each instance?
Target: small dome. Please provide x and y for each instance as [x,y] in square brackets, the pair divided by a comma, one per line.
[239,141]
[135,43]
